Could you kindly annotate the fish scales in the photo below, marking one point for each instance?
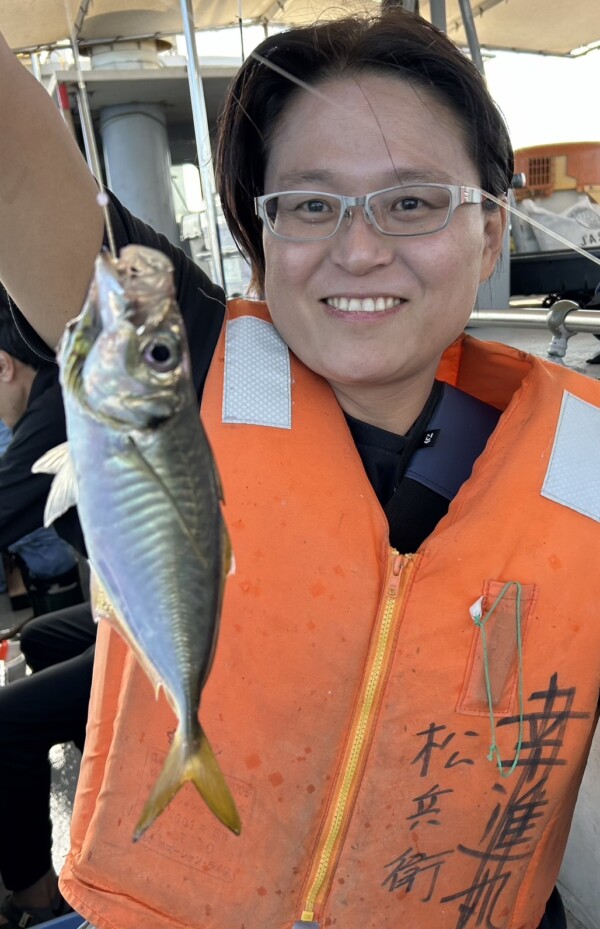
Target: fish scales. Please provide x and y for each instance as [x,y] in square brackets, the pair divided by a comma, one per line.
[149,498]
[145,522]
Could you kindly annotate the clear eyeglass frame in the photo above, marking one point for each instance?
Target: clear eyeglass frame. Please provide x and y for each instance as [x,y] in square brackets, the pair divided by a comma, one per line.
[459,194]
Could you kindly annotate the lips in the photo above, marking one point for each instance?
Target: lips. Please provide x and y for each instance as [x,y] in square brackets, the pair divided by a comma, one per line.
[363,304]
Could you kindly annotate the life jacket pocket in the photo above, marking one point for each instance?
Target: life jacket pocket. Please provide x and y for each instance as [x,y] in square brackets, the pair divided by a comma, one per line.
[494,666]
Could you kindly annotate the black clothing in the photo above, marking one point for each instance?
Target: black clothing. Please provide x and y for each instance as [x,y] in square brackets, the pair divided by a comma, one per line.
[555,916]
[40,428]
[59,636]
[413,511]
[37,712]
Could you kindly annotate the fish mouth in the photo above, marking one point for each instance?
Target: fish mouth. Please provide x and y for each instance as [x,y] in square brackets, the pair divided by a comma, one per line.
[372,304]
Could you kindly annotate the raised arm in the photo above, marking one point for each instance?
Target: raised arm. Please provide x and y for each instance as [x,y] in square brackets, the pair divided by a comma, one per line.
[50,224]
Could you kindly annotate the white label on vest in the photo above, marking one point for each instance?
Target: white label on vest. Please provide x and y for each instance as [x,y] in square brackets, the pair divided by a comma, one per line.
[573,475]
[257,388]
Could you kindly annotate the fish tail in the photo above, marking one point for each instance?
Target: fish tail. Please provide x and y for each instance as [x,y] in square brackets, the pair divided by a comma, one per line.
[190,761]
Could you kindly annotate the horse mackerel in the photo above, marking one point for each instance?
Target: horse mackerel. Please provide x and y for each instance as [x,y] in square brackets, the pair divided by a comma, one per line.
[149,498]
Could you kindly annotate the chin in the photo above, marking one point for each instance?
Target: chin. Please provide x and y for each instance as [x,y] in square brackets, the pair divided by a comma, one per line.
[355,376]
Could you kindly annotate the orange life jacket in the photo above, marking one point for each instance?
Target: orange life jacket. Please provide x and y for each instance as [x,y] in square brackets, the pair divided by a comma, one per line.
[349,699]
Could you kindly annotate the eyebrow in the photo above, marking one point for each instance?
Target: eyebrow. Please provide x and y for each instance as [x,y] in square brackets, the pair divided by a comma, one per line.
[296,180]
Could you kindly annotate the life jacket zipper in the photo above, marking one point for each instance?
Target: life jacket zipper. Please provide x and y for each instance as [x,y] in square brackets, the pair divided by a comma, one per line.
[379,658]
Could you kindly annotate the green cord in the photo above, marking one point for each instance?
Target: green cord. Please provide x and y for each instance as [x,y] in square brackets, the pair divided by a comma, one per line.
[480,622]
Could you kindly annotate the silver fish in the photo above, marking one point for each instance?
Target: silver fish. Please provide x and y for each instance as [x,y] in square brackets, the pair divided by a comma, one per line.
[149,496]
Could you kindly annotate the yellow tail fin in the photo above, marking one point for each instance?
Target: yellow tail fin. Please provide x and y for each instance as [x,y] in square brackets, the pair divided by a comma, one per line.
[196,763]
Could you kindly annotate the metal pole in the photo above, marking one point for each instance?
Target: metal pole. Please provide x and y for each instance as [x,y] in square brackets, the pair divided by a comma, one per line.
[241,25]
[438,14]
[82,12]
[35,66]
[85,115]
[469,24]
[87,128]
[202,141]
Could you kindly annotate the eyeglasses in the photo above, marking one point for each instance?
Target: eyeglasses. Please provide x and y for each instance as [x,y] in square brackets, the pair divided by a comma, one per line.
[419,209]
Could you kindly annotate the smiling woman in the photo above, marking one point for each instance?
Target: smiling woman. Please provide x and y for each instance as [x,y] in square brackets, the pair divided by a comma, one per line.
[403,695]
[370,110]
[373,131]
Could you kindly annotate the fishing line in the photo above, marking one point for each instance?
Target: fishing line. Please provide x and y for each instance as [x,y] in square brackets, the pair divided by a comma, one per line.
[297,80]
[380,127]
[88,130]
[222,303]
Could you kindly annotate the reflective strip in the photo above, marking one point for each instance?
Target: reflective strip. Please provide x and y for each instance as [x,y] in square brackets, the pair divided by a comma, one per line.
[257,387]
[573,475]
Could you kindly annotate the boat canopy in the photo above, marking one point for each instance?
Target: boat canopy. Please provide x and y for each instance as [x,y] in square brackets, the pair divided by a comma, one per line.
[543,26]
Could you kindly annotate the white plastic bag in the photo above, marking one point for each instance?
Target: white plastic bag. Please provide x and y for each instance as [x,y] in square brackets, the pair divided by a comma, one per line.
[579,223]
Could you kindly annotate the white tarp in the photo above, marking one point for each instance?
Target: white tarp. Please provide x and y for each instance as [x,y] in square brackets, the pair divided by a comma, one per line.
[551,26]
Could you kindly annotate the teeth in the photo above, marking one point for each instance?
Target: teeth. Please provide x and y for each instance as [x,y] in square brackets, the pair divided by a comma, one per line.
[366,305]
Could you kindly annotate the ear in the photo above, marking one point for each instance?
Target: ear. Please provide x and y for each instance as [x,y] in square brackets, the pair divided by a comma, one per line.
[493,239]
[7,367]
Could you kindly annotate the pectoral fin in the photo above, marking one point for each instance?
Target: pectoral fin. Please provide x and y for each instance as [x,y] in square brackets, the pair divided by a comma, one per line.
[63,492]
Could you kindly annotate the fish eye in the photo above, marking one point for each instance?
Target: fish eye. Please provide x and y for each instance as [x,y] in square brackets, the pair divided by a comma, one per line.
[162,354]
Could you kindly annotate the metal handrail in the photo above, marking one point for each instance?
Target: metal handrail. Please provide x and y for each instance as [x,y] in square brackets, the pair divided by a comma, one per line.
[576,320]
[563,320]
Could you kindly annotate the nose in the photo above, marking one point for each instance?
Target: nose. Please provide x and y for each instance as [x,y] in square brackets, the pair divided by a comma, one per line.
[358,246]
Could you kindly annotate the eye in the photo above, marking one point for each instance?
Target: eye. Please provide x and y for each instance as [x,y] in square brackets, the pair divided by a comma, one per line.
[407,203]
[306,208]
[301,202]
[314,206]
[162,354]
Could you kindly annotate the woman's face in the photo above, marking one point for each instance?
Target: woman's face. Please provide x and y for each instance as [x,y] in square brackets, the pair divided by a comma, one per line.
[370,134]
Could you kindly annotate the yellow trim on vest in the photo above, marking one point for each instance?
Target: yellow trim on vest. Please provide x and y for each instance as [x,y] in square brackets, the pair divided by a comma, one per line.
[378,661]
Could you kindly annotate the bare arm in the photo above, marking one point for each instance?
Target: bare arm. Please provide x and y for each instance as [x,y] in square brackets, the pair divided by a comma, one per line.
[50,224]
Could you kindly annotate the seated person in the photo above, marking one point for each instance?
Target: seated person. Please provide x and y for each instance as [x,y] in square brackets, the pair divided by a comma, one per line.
[31,406]
[45,709]
[50,706]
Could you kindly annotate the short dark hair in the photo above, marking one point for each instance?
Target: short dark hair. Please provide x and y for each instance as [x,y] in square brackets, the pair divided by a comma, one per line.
[395,43]
[11,340]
